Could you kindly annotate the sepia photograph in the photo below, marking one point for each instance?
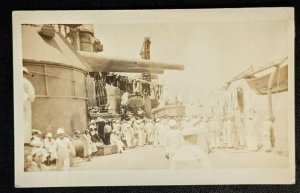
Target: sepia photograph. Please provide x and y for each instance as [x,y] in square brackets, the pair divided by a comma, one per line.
[154,97]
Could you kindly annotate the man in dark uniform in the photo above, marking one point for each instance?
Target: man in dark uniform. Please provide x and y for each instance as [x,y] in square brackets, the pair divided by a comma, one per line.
[100,123]
[107,133]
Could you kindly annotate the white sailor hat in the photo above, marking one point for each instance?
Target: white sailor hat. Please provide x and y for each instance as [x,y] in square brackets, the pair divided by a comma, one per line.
[35,131]
[93,126]
[49,134]
[60,131]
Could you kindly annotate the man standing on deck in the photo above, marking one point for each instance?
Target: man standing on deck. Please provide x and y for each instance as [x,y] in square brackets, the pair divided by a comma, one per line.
[107,133]
[173,139]
[29,96]
[64,150]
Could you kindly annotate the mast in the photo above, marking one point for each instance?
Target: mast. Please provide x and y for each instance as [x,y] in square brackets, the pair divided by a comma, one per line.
[145,54]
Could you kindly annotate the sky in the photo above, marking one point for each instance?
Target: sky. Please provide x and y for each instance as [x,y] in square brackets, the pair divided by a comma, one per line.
[212,52]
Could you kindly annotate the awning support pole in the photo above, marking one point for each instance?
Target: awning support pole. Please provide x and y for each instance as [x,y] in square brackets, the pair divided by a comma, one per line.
[270,84]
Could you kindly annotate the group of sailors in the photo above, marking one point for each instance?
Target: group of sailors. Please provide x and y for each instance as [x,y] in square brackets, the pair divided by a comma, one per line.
[62,150]
[186,142]
[233,132]
[50,151]
[126,133]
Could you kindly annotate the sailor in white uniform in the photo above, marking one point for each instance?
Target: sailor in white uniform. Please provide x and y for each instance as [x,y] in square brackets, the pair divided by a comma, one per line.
[174,139]
[29,96]
[163,129]
[190,155]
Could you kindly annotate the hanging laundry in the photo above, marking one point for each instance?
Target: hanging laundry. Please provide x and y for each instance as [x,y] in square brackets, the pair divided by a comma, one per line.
[103,76]
[109,79]
[122,84]
[115,80]
[124,98]
[137,87]
[146,89]
[158,92]
[101,94]
[126,81]
[240,98]
[130,86]
[90,85]
[152,93]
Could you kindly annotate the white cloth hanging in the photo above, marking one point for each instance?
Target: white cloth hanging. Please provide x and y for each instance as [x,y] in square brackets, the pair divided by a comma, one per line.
[124,98]
[90,85]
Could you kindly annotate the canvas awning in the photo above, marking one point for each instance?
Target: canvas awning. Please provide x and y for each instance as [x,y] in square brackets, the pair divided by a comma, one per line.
[258,79]
[267,80]
[279,82]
